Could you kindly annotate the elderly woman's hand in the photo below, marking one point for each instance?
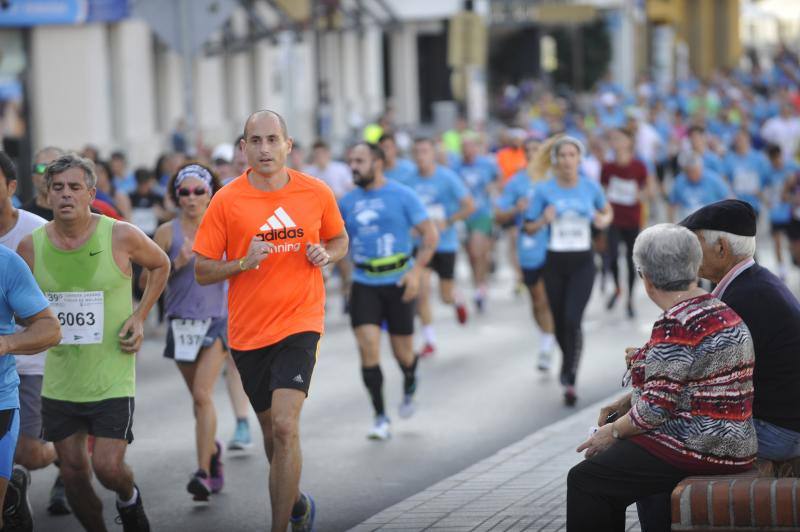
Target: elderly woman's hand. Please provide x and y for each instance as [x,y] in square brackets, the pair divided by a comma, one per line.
[598,442]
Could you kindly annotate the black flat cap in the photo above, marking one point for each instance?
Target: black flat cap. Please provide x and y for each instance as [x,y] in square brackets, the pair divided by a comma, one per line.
[732,216]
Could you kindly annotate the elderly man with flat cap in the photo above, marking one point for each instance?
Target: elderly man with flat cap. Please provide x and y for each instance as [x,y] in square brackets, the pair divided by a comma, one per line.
[727,233]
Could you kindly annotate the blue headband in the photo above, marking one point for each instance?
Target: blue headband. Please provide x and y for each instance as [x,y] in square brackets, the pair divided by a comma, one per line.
[193,170]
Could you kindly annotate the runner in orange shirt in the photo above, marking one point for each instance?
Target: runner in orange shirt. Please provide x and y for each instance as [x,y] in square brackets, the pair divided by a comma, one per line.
[511,159]
[270,232]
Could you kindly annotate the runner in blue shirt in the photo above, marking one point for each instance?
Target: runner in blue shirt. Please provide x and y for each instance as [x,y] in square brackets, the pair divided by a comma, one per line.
[397,168]
[379,216]
[747,170]
[447,201]
[479,174]
[780,213]
[567,206]
[531,249]
[695,187]
[21,302]
[698,141]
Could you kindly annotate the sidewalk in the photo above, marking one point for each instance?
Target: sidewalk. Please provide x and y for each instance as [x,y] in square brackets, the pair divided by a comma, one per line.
[521,487]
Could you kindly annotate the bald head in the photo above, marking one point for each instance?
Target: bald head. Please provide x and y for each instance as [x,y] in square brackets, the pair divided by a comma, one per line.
[266,114]
[266,144]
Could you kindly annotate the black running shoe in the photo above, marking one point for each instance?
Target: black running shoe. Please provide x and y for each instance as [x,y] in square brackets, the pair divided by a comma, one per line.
[199,486]
[58,504]
[17,513]
[132,518]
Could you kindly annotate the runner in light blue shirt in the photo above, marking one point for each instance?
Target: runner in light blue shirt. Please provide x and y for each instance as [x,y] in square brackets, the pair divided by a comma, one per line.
[747,171]
[380,215]
[780,213]
[447,201]
[695,188]
[397,168]
[479,174]
[531,249]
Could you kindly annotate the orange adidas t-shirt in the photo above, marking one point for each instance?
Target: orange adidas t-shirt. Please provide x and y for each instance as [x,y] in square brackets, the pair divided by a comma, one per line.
[286,294]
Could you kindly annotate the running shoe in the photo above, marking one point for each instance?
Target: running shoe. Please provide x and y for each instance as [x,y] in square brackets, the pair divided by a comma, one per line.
[241,437]
[58,499]
[17,512]
[199,485]
[479,304]
[461,313]
[570,398]
[132,518]
[428,350]
[380,430]
[217,471]
[630,311]
[407,406]
[545,358]
[305,522]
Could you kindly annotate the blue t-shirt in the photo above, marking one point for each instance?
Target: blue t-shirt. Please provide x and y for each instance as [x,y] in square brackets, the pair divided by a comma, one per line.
[575,209]
[441,193]
[477,177]
[713,162]
[19,295]
[402,171]
[748,175]
[781,211]
[531,249]
[379,223]
[689,196]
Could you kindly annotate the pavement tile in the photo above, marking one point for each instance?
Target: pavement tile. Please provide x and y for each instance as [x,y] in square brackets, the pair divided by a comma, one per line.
[521,487]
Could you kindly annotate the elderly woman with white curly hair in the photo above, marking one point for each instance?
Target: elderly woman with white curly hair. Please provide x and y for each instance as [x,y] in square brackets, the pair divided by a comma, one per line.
[690,411]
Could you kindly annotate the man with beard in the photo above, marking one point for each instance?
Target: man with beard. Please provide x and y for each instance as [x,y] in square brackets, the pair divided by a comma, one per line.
[380,215]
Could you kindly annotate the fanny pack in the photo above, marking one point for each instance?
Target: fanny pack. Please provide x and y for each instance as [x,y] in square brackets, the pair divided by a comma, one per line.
[384,265]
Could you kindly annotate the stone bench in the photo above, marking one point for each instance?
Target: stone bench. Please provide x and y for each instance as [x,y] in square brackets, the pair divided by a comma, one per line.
[759,499]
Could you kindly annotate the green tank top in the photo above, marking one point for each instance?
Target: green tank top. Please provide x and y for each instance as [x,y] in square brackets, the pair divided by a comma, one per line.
[92,298]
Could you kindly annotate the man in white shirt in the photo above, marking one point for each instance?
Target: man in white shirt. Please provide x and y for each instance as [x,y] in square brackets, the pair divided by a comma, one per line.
[335,173]
[32,452]
[784,130]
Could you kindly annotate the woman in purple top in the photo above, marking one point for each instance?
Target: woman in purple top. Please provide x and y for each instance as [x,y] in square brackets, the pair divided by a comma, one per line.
[197,320]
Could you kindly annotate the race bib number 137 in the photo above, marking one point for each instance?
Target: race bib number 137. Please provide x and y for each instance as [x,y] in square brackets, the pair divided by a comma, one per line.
[80,315]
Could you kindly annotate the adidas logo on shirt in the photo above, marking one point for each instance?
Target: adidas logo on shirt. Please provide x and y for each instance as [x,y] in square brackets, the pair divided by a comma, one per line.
[280,226]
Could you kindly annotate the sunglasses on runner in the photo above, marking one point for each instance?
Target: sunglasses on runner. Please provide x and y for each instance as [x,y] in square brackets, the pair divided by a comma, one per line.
[198,191]
[39,168]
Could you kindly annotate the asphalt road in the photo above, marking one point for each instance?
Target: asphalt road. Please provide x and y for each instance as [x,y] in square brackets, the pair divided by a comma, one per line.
[480,393]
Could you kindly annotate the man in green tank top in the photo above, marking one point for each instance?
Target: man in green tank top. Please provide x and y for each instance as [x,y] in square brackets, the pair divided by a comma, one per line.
[82,262]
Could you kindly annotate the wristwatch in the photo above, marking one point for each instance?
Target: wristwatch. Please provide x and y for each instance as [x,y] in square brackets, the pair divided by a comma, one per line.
[615,432]
[241,264]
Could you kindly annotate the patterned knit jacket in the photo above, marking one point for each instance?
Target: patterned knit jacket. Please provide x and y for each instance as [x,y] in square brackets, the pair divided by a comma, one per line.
[693,389]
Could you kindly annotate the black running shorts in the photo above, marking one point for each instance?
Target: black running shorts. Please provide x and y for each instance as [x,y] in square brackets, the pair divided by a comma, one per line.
[286,364]
[111,418]
[371,305]
[531,276]
[444,264]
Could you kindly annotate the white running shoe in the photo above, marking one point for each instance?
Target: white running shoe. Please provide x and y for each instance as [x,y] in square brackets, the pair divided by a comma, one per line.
[407,407]
[544,361]
[380,430]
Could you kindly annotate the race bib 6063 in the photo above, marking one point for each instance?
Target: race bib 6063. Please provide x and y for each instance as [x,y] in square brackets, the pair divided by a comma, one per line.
[80,315]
